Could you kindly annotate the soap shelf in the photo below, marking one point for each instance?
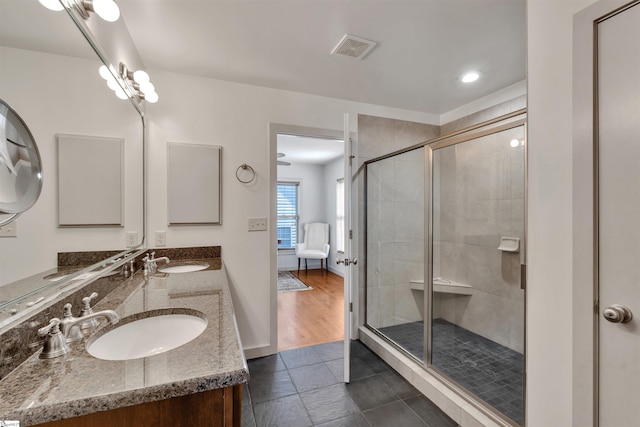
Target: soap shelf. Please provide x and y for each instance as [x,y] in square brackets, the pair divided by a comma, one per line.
[443,286]
[509,244]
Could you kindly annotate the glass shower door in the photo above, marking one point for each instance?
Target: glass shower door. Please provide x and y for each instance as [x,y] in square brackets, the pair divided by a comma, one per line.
[395,239]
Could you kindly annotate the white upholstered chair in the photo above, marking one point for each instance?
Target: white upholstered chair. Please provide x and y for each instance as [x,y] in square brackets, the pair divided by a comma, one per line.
[315,245]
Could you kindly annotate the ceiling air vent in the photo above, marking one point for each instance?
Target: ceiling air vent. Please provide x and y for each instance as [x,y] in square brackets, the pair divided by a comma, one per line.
[353,46]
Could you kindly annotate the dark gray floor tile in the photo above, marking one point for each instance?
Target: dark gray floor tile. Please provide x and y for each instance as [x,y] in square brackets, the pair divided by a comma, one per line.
[429,412]
[300,357]
[328,403]
[271,386]
[370,392]
[286,411]
[375,363]
[399,385]
[360,369]
[307,378]
[337,368]
[330,351]
[248,420]
[267,364]
[357,420]
[393,414]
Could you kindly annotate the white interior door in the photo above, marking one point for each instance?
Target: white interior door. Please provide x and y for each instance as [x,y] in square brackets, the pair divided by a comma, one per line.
[619,218]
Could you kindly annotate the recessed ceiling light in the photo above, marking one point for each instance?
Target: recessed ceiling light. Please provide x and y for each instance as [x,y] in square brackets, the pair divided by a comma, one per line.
[469,77]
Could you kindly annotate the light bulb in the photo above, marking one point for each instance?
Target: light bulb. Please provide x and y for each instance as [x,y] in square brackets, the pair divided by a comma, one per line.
[141,77]
[514,143]
[107,10]
[54,5]
[151,97]
[113,84]
[104,72]
[120,93]
[147,87]
[470,77]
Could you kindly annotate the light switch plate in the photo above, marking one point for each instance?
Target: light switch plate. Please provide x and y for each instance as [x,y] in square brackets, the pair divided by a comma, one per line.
[9,230]
[257,224]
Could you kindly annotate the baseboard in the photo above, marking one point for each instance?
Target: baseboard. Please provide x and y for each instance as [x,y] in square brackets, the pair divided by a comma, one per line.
[255,352]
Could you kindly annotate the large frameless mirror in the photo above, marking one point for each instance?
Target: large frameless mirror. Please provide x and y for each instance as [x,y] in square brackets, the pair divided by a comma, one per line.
[49,74]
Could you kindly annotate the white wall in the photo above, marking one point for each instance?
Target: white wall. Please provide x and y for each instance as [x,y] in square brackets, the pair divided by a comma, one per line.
[549,290]
[237,117]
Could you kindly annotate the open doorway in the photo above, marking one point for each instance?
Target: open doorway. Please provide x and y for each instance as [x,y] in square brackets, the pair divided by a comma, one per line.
[310,297]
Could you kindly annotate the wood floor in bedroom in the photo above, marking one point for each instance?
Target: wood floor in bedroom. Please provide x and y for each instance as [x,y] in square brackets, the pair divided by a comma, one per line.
[314,316]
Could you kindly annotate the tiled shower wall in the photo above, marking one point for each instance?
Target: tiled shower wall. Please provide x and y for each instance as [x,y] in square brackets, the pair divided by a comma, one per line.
[479,198]
[378,136]
[395,240]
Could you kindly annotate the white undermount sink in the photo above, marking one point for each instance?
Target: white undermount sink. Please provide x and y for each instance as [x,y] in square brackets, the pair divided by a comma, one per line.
[148,336]
[186,267]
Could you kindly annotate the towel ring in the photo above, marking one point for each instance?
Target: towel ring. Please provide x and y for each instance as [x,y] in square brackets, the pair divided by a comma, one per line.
[248,173]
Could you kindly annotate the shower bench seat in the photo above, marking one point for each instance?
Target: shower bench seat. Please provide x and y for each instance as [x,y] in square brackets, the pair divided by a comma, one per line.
[443,286]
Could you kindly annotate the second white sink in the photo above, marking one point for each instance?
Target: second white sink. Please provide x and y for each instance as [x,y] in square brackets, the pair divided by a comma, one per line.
[147,336]
[185,267]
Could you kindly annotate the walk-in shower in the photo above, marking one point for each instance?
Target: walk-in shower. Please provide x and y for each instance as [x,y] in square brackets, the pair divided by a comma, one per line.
[445,240]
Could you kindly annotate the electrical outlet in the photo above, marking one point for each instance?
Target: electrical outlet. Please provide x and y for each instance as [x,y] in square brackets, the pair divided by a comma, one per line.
[9,230]
[132,239]
[257,224]
[161,238]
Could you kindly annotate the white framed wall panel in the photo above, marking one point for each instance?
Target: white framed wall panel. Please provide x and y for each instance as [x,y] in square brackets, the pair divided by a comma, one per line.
[90,181]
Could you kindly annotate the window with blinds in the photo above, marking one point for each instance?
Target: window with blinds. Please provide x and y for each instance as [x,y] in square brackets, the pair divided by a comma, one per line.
[340,216]
[287,212]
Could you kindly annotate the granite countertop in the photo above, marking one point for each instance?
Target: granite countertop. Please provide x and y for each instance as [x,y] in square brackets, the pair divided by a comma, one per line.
[75,384]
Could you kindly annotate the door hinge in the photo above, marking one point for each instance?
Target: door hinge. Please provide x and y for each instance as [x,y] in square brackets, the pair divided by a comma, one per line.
[596,306]
[350,234]
[350,307]
[523,276]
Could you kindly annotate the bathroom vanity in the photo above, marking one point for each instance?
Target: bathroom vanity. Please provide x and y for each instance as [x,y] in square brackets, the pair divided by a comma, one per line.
[196,384]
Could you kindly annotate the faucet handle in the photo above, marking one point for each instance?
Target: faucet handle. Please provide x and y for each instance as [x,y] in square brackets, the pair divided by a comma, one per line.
[54,343]
[87,310]
[86,301]
[73,332]
[52,328]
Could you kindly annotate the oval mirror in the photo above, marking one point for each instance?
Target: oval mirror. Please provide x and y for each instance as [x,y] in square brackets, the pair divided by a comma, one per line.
[20,166]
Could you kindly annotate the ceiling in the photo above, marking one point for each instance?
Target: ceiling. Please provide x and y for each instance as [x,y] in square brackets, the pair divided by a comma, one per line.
[423,46]
[303,149]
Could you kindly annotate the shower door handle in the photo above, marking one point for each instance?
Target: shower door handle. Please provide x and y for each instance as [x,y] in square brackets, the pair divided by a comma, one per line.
[617,313]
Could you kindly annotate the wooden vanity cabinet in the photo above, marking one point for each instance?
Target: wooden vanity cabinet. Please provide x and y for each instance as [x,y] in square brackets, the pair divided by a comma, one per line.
[214,408]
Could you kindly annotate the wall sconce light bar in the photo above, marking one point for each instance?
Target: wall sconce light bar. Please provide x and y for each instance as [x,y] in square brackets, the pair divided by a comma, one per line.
[105,9]
[125,85]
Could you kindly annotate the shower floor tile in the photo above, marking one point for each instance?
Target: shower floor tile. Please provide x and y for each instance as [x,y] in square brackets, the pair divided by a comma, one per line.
[491,371]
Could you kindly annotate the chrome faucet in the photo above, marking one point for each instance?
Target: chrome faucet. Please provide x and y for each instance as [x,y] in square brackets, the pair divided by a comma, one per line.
[68,324]
[150,262]
[58,332]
